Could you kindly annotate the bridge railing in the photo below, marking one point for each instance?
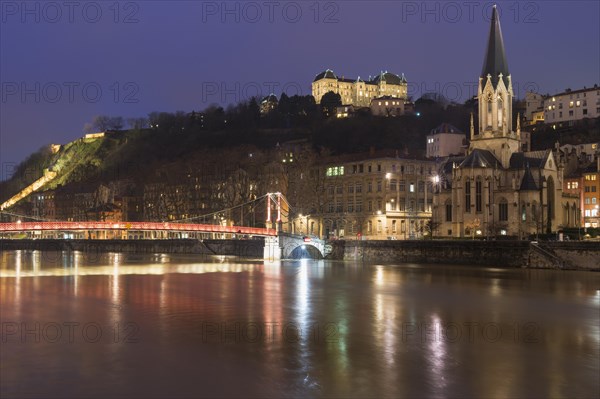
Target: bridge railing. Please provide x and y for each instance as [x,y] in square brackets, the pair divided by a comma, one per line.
[17,227]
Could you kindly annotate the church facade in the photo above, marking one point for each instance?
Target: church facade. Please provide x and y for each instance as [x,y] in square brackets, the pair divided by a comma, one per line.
[497,189]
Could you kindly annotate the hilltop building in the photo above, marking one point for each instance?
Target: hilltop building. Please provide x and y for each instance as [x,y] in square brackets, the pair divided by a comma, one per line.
[358,92]
[572,105]
[445,140]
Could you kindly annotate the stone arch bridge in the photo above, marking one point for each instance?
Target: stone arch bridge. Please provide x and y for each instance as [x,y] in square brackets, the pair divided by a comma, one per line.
[293,246]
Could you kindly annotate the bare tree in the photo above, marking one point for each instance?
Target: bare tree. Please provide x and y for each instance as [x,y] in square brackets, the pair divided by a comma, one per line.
[101,123]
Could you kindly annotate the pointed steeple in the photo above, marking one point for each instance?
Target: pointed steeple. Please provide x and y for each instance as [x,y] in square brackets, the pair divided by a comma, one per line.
[494,62]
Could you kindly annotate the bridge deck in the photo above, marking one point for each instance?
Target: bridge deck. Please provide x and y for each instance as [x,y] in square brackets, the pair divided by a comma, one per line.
[18,227]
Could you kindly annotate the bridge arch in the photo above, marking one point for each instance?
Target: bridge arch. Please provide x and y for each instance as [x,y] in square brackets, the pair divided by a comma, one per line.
[303,251]
[301,247]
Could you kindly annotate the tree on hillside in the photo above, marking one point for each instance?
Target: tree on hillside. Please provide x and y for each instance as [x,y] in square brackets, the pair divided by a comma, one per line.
[137,123]
[329,102]
[102,123]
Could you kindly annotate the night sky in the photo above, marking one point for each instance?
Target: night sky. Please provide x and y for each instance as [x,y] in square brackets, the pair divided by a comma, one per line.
[62,64]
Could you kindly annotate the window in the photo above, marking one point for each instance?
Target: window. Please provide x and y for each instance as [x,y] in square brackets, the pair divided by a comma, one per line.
[411,187]
[448,212]
[394,226]
[370,187]
[339,189]
[330,190]
[392,205]
[350,206]
[379,167]
[358,205]
[499,102]
[378,205]
[478,203]
[370,206]
[523,213]
[358,188]
[335,171]
[587,201]
[379,226]
[593,200]
[378,186]
[468,196]
[402,205]
[369,227]
[393,184]
[402,185]
[338,206]
[503,211]
[402,226]
[350,189]
[421,186]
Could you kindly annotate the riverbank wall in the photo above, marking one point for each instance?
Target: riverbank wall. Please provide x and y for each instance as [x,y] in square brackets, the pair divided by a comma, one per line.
[549,255]
[579,255]
[242,248]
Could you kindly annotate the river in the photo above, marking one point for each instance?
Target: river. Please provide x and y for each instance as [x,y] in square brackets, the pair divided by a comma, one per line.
[106,325]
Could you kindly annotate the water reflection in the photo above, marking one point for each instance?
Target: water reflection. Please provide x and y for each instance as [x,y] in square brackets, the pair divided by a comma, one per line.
[217,327]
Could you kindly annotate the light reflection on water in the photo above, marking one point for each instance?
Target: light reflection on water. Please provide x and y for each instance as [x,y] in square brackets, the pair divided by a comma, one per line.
[227,327]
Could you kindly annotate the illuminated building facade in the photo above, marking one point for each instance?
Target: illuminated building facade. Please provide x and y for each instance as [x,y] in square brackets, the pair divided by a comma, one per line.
[359,92]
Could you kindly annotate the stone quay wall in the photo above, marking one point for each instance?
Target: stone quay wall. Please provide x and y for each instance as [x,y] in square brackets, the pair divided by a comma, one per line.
[502,253]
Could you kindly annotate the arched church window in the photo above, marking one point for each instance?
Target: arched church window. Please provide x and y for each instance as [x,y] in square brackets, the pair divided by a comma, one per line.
[500,118]
[503,210]
[478,195]
[468,196]
[448,211]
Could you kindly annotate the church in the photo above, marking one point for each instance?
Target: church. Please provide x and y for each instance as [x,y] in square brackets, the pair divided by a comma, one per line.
[496,188]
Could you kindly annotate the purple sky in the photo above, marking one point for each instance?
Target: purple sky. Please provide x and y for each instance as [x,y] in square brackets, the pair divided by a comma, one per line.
[63,64]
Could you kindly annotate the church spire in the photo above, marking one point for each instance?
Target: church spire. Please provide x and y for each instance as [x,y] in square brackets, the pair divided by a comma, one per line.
[495,62]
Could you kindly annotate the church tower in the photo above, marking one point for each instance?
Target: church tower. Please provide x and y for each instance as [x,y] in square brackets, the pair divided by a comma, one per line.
[495,95]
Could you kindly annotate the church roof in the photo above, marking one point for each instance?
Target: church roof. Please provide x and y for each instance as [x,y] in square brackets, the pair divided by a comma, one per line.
[481,159]
[528,182]
[495,62]
[533,159]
